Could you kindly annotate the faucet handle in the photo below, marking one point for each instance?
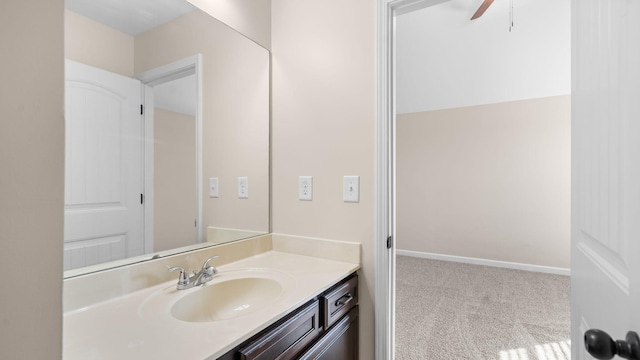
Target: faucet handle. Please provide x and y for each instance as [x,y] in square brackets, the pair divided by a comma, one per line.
[206,263]
[209,270]
[184,275]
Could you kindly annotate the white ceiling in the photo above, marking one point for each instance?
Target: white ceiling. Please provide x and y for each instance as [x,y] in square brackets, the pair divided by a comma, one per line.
[445,60]
[136,17]
[130,16]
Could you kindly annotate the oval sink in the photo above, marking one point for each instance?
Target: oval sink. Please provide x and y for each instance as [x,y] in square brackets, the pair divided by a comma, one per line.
[226,299]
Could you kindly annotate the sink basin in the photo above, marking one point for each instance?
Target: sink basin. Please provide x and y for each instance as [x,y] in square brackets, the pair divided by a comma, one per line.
[230,295]
[226,299]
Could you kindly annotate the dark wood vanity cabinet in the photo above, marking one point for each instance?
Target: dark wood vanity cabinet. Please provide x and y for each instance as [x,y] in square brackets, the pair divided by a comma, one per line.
[325,328]
[288,339]
[339,342]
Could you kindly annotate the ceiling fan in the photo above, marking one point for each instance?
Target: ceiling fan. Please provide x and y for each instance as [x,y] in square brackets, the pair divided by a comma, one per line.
[483,7]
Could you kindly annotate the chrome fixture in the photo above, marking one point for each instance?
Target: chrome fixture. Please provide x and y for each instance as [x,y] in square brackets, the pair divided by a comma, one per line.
[198,278]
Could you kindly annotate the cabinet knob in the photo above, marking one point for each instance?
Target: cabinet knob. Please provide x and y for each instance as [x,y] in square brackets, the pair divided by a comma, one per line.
[601,346]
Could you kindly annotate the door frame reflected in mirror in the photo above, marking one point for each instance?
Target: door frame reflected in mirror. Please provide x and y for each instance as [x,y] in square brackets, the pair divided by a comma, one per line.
[173,71]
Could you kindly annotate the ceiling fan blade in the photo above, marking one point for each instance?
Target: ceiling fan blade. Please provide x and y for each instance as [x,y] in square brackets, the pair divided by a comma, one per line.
[485,5]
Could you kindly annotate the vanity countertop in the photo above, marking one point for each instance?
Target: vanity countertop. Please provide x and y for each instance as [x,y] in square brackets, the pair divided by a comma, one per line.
[122,328]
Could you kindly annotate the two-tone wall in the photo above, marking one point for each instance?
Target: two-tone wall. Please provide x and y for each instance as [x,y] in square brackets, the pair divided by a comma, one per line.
[483,133]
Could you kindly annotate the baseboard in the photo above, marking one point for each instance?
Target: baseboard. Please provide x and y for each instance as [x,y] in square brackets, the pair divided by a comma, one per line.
[486,262]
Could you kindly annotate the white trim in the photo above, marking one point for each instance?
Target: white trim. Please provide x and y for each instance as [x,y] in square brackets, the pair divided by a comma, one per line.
[385,171]
[486,262]
[406,6]
[384,259]
[191,65]
[199,200]
[172,71]
[149,199]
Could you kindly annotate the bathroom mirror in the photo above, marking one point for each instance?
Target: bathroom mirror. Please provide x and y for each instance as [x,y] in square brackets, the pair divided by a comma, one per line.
[167,133]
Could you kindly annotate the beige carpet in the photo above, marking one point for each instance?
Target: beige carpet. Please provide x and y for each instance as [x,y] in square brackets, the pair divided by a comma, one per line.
[450,311]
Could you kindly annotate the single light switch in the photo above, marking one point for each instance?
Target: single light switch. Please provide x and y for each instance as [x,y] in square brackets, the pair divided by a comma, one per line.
[351,189]
[213,187]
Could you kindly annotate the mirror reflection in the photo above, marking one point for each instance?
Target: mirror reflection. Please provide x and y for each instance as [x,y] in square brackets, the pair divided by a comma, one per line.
[167,132]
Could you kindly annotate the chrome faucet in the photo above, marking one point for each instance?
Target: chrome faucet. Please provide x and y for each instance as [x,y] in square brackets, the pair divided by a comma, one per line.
[198,278]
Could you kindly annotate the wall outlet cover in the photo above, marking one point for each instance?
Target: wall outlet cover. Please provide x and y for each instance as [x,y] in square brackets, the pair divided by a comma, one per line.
[305,188]
[243,187]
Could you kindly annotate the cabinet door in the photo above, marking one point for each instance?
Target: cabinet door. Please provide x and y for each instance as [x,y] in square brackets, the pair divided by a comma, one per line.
[339,343]
[288,339]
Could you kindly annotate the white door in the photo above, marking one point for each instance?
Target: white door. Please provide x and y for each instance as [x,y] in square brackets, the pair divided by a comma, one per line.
[103,167]
[605,279]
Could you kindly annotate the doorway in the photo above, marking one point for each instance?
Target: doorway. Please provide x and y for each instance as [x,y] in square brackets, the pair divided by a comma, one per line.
[482,177]
[173,134]
[391,148]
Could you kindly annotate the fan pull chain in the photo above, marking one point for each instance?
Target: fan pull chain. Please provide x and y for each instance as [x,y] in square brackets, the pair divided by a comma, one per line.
[510,15]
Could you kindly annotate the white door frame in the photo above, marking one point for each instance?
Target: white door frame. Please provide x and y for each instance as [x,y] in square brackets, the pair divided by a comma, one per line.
[191,65]
[385,268]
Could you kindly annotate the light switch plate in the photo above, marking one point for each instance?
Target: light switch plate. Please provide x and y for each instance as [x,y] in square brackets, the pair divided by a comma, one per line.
[243,187]
[351,189]
[305,188]
[213,188]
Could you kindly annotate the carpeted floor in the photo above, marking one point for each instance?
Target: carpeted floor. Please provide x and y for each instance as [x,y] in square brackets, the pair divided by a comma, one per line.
[453,311]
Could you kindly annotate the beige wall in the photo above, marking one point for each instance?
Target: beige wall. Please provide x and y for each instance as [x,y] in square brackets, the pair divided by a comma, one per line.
[489,181]
[235,112]
[330,133]
[92,43]
[31,155]
[250,17]
[174,208]
[324,125]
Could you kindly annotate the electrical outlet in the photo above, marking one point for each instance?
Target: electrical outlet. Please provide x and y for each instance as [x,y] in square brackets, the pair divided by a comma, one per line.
[305,188]
[213,188]
[243,188]
[351,189]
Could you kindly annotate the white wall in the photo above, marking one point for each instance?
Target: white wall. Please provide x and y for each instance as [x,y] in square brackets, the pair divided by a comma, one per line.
[323,125]
[31,179]
[444,60]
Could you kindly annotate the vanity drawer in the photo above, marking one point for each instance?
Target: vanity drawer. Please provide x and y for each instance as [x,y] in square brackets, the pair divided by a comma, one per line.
[339,301]
[288,339]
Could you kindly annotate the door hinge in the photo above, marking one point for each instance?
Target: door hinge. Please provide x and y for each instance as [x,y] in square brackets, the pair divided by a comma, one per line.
[141,109]
[141,198]
[389,242]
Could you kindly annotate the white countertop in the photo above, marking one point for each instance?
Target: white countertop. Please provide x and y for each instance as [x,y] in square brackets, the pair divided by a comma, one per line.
[128,328]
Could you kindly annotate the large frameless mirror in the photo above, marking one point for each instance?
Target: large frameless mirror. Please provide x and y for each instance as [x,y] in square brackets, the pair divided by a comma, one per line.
[167,133]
